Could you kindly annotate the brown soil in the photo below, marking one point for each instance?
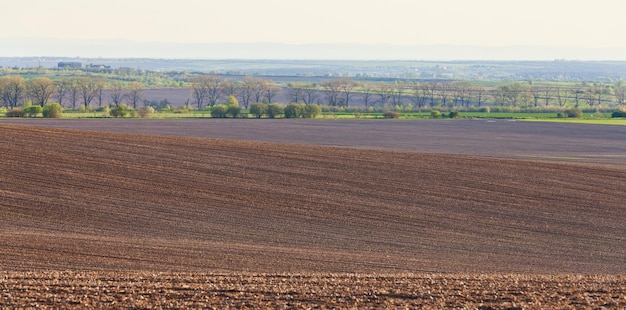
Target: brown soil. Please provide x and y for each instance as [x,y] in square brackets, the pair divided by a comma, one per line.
[72,290]
[492,138]
[128,203]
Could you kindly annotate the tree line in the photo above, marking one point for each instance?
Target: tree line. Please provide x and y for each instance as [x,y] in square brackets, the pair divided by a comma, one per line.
[211,90]
[73,92]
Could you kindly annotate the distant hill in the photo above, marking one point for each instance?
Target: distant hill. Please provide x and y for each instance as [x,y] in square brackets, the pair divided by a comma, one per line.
[12,47]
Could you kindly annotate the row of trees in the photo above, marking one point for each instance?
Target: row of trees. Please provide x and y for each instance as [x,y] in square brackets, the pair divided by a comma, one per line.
[16,91]
[210,90]
[456,94]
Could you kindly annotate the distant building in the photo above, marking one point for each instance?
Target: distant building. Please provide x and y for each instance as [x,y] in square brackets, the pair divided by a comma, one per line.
[70,65]
[92,66]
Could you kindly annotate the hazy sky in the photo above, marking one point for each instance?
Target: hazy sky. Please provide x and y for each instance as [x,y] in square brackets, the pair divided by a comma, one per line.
[594,24]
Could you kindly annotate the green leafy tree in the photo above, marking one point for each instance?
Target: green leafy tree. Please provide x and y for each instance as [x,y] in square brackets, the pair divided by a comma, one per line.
[232,100]
[233,110]
[274,110]
[119,111]
[219,111]
[40,90]
[258,109]
[32,110]
[294,110]
[312,111]
[52,110]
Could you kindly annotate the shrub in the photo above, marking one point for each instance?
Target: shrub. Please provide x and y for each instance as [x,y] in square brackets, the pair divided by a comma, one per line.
[219,111]
[15,113]
[85,108]
[274,110]
[435,114]
[145,111]
[312,111]
[119,111]
[574,113]
[33,110]
[3,110]
[294,110]
[233,110]
[105,110]
[52,110]
[391,114]
[618,114]
[258,109]
[165,107]
[232,100]
[453,114]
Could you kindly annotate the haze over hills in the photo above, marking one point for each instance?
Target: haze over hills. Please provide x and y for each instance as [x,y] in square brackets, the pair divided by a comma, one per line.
[26,47]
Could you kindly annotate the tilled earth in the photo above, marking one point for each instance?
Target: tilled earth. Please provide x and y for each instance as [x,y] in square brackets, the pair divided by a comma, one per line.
[123,207]
[76,290]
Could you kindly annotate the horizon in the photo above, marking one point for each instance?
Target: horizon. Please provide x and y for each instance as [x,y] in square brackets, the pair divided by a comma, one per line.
[110,49]
[481,29]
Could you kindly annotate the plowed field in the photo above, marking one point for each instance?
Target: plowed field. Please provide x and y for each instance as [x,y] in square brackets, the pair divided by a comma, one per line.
[131,203]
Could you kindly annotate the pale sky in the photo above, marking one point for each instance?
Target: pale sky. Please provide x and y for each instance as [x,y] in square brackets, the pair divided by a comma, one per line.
[591,24]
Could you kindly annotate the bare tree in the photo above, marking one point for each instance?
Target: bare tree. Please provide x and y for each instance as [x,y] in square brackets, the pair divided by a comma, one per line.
[397,90]
[600,90]
[346,86]
[547,91]
[444,91]
[480,93]
[13,90]
[432,88]
[214,89]
[418,95]
[384,92]
[270,90]
[367,92]
[61,86]
[40,90]
[294,92]
[536,93]
[258,89]
[116,92]
[620,92]
[99,92]
[309,93]
[578,91]
[87,87]
[230,88]
[199,90]
[246,90]
[461,91]
[135,93]
[561,96]
[589,95]
[333,91]
[73,91]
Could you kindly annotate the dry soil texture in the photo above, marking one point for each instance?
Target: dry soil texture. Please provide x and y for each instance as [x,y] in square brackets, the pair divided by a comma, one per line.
[130,203]
[493,138]
[74,290]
